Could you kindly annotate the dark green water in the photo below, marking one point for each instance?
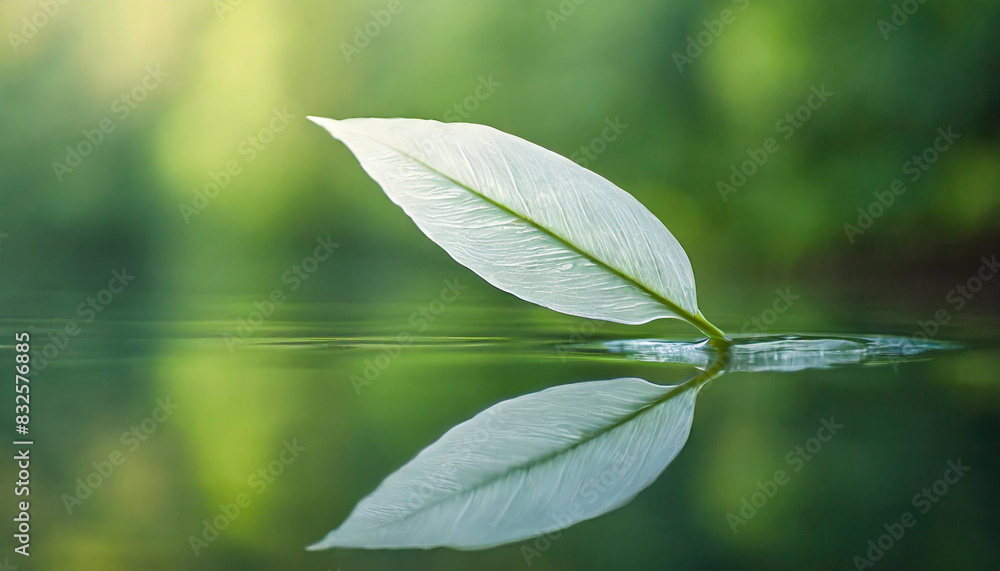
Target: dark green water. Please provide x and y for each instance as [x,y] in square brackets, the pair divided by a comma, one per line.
[304,414]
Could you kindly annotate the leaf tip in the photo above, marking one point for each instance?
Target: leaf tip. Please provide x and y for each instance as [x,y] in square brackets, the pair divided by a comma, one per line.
[319,545]
[326,123]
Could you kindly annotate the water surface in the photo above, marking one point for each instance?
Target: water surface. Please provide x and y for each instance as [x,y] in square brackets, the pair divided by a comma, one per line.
[301,415]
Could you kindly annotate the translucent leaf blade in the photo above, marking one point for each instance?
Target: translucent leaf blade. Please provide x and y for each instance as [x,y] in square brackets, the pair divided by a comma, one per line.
[527,220]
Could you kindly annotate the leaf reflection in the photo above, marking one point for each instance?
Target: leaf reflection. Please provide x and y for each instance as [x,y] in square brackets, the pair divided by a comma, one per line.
[544,461]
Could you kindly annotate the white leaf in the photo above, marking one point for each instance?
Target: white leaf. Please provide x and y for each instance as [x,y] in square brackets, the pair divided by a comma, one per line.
[529,221]
[527,466]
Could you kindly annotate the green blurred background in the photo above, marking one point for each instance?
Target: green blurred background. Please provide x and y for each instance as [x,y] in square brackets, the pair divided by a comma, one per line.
[219,77]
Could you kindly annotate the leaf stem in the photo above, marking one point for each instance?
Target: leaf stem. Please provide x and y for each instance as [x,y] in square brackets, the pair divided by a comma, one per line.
[707,328]
[714,371]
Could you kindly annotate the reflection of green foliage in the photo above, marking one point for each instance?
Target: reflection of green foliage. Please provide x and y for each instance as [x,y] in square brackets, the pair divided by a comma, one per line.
[232,431]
